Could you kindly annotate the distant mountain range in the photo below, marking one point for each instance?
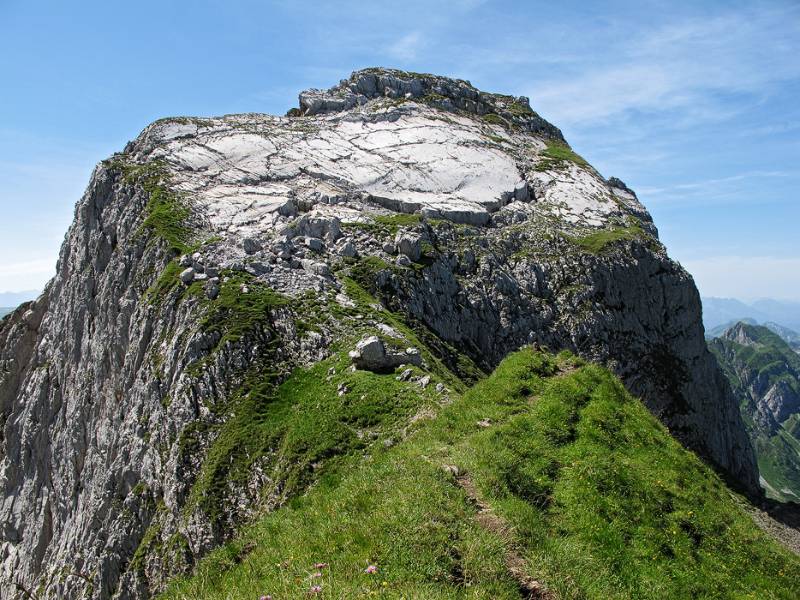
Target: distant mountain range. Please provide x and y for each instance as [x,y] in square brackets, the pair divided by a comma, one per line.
[764,374]
[722,311]
[14,299]
[11,300]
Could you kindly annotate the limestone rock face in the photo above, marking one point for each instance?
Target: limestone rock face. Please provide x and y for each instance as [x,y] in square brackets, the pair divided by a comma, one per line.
[463,212]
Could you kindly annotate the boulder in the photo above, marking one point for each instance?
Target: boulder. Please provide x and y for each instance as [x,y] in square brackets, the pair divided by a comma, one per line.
[212,290]
[521,193]
[187,275]
[371,354]
[347,249]
[410,245]
[250,245]
[317,268]
[314,244]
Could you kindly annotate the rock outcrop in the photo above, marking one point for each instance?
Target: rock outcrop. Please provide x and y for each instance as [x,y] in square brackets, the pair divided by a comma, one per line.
[214,249]
[371,354]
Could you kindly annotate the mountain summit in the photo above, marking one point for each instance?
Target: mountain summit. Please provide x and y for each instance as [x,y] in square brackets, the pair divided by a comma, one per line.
[166,387]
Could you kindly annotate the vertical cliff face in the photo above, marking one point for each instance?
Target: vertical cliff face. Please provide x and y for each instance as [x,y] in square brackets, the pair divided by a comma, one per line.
[214,251]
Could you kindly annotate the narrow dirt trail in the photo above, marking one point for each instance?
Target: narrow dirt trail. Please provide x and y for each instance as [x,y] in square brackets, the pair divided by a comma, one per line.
[529,588]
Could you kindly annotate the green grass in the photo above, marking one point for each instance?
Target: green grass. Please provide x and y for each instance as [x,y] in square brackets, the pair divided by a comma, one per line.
[598,499]
[167,281]
[166,217]
[365,270]
[603,239]
[599,491]
[291,427]
[520,110]
[235,313]
[166,211]
[494,119]
[399,220]
[302,430]
[556,156]
[388,225]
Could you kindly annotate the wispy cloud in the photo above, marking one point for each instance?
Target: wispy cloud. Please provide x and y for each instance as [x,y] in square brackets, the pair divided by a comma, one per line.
[40,265]
[689,68]
[407,47]
[712,188]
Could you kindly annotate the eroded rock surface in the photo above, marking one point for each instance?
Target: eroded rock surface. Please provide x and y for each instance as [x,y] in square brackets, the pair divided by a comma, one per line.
[464,213]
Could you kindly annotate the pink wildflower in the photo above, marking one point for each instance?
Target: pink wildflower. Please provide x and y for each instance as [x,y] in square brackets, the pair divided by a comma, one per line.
[371,570]
[320,565]
[315,589]
[267,597]
[317,574]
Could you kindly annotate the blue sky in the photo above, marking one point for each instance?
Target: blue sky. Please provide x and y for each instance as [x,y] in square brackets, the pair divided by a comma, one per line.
[693,104]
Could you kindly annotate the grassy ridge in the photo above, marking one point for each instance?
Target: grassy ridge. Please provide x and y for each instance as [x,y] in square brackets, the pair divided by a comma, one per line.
[598,502]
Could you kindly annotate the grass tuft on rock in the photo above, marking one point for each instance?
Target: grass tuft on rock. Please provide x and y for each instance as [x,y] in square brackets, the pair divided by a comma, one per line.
[557,155]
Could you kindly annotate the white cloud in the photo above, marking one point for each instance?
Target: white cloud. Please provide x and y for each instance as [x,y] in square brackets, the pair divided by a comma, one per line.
[711,191]
[687,68]
[747,277]
[407,47]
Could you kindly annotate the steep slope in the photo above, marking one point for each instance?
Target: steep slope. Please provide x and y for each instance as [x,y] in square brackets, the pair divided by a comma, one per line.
[764,372]
[790,336]
[147,397]
[546,480]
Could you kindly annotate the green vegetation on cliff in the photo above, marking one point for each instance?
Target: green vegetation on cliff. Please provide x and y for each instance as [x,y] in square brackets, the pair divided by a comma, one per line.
[558,155]
[166,212]
[545,474]
[764,372]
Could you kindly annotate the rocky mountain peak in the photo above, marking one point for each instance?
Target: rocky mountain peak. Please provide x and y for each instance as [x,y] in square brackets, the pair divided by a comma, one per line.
[751,334]
[395,218]
[368,85]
